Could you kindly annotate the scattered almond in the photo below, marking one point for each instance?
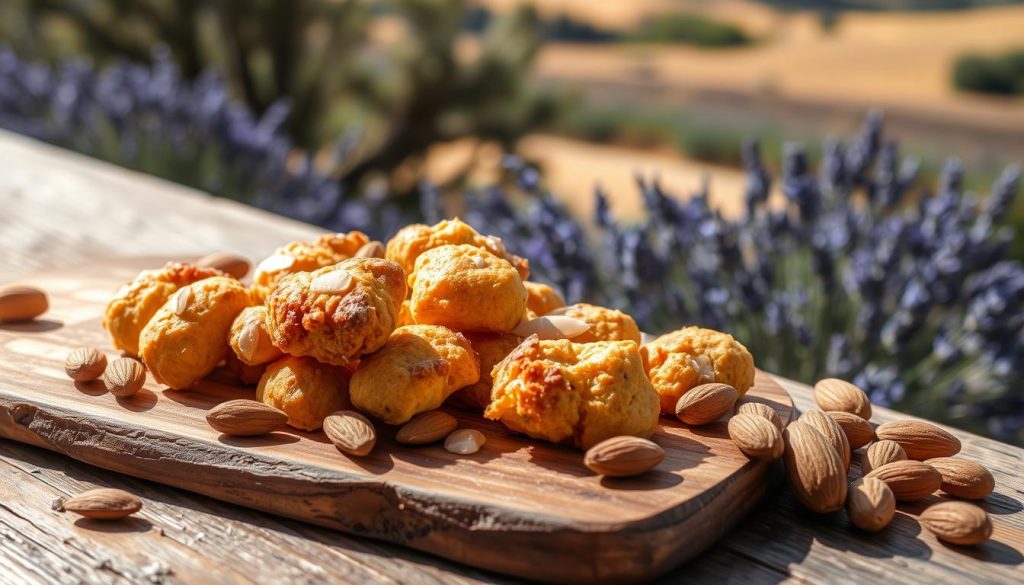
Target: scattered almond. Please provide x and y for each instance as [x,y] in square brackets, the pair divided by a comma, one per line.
[756,436]
[958,523]
[182,299]
[623,456]
[464,441]
[245,418]
[104,504]
[749,406]
[879,453]
[859,432]
[552,327]
[832,432]
[21,303]
[909,480]
[870,504]
[85,364]
[335,282]
[372,249]
[920,440]
[705,403]
[962,478]
[814,469]
[835,394]
[351,432]
[124,377]
[427,427]
[230,264]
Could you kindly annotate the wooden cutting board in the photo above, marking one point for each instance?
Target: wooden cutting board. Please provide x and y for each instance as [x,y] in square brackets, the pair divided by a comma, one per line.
[519,506]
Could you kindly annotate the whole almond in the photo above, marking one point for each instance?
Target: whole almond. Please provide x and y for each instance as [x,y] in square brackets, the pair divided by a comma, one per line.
[835,394]
[870,504]
[832,432]
[372,249]
[85,364]
[351,432]
[21,303]
[427,427]
[124,377]
[464,441]
[705,403]
[814,469]
[963,479]
[859,432]
[909,480]
[957,523]
[749,406]
[104,504]
[920,440]
[243,418]
[623,456]
[756,436]
[879,453]
[228,263]
[552,327]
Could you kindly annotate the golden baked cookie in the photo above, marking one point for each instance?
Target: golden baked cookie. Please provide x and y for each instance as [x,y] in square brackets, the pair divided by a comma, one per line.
[605,324]
[325,250]
[466,288]
[412,240]
[249,337]
[542,298]
[490,349]
[246,374]
[578,393]
[414,372]
[136,302]
[337,313]
[682,359]
[188,336]
[304,389]
[405,315]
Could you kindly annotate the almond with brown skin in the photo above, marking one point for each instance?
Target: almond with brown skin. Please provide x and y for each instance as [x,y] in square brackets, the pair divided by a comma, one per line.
[831,431]
[756,408]
[104,504]
[705,403]
[623,456]
[870,504]
[814,469]
[909,480]
[957,523]
[351,432]
[85,364]
[835,394]
[879,453]
[427,427]
[22,303]
[124,377]
[228,263]
[920,440]
[242,418]
[859,432]
[963,479]
[756,436]
[552,327]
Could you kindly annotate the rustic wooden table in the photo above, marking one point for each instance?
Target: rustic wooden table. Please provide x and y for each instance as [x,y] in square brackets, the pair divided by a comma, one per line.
[60,209]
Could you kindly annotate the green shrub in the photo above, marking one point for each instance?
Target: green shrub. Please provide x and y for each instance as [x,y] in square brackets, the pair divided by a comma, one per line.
[691,29]
[994,74]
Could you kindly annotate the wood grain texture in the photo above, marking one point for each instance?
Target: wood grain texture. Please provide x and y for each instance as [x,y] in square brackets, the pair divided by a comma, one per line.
[519,506]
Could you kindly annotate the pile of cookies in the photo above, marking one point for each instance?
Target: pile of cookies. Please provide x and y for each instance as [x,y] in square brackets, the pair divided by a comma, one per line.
[439,315]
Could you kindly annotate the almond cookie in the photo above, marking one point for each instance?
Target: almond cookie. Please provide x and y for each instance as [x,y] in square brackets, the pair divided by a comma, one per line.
[688,357]
[541,298]
[337,313]
[188,336]
[576,393]
[490,348]
[415,371]
[295,257]
[136,302]
[412,240]
[250,339]
[605,324]
[304,389]
[466,288]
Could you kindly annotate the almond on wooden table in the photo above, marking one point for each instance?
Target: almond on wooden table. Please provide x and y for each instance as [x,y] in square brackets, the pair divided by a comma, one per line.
[351,432]
[623,456]
[870,504]
[879,453]
[85,364]
[814,469]
[859,432]
[464,441]
[427,427]
[124,377]
[228,263]
[920,440]
[243,418]
[104,504]
[749,406]
[705,403]
[832,432]
[756,436]
[962,478]
[835,394]
[21,303]
[957,523]
[909,480]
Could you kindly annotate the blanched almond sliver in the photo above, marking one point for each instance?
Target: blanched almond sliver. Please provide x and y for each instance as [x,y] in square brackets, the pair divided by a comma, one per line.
[479,262]
[464,441]
[275,263]
[552,327]
[333,282]
[248,339]
[182,299]
[704,368]
[646,338]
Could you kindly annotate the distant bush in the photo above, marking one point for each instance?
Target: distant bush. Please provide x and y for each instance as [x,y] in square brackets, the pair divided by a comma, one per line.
[691,29]
[996,74]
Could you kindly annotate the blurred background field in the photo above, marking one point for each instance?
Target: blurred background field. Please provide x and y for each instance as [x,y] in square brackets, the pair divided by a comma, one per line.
[867,253]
